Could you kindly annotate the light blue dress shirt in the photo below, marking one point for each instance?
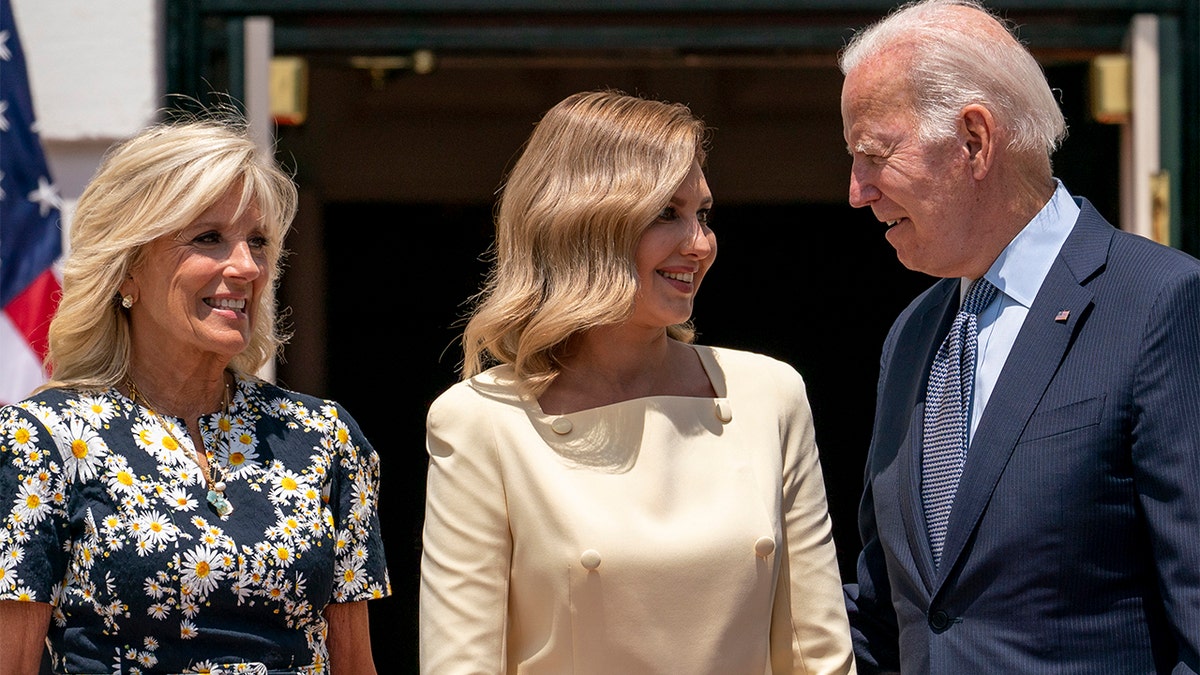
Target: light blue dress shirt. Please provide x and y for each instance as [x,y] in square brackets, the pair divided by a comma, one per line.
[1018,273]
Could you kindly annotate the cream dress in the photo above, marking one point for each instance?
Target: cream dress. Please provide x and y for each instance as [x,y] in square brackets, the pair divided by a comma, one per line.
[663,534]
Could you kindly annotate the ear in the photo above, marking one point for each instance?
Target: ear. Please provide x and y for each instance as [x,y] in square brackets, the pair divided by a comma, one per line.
[978,129]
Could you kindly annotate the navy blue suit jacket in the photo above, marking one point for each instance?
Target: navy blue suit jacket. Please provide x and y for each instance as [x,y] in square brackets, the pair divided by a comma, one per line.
[1074,540]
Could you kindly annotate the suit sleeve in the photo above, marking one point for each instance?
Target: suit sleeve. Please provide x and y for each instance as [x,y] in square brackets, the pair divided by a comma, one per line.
[809,631]
[873,626]
[467,547]
[1166,456]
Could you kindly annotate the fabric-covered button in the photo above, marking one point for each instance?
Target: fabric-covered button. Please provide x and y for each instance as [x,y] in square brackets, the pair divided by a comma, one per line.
[764,547]
[724,411]
[590,559]
[939,620]
[562,426]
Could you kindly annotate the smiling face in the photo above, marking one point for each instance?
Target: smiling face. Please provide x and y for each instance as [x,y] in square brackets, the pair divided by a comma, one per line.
[923,191]
[196,291]
[674,254]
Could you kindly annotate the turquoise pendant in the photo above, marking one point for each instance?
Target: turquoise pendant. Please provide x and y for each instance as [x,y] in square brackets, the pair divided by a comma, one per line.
[218,501]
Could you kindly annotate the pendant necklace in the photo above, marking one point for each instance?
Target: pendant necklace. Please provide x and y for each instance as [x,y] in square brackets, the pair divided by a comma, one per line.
[212,477]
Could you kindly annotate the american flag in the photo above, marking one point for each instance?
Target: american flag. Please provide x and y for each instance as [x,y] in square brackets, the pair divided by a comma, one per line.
[30,230]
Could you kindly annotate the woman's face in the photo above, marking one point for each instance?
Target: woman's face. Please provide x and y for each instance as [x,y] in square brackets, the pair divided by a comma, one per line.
[196,291]
[674,254]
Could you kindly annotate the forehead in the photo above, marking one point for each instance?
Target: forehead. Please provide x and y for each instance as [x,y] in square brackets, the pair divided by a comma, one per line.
[875,104]
[229,209]
[694,182]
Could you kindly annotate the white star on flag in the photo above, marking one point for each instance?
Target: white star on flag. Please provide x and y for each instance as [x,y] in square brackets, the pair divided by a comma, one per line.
[46,196]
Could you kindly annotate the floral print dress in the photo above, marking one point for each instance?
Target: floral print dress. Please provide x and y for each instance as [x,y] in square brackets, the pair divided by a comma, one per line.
[105,517]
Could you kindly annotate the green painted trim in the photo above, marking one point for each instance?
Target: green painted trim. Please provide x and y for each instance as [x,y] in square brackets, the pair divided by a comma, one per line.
[1189,147]
[691,7]
[1170,119]
[827,38]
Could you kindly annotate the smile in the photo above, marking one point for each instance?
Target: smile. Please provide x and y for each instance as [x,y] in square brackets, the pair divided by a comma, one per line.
[226,303]
[685,277]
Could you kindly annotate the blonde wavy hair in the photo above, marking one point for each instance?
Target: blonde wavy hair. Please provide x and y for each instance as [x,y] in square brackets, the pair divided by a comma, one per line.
[149,186]
[597,169]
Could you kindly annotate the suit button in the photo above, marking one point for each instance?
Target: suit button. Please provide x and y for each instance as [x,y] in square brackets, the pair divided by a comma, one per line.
[939,621]
[590,559]
[561,426]
[764,547]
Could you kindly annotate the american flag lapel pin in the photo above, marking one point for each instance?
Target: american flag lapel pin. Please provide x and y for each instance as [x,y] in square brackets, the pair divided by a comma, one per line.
[1062,316]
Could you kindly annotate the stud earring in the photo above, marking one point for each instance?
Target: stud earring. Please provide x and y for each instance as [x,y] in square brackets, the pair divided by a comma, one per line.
[127,301]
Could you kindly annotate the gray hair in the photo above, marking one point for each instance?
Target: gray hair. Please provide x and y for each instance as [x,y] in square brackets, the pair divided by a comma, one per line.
[953,63]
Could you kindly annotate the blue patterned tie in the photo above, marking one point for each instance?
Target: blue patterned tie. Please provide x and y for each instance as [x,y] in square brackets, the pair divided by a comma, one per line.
[948,414]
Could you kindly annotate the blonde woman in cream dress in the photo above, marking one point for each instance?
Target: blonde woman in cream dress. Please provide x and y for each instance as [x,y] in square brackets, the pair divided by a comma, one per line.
[603,495]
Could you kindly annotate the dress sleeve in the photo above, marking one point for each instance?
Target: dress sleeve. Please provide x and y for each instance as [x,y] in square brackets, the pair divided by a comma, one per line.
[467,546]
[34,535]
[809,629]
[360,567]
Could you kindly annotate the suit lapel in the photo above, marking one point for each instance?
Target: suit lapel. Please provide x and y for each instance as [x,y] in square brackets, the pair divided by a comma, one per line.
[1041,344]
[916,351]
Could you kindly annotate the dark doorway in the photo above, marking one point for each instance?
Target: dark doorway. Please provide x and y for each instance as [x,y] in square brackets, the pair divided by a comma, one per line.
[812,284]
[810,281]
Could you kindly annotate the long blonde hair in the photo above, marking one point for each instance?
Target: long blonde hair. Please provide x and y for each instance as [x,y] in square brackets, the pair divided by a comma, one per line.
[149,186]
[593,175]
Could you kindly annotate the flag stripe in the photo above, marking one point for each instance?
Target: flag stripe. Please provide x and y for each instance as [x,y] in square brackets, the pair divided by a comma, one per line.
[31,310]
[30,229]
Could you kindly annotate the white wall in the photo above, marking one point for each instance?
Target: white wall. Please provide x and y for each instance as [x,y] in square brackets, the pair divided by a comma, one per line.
[96,73]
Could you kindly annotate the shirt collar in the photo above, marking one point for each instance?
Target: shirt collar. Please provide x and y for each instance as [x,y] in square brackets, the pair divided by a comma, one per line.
[1022,266]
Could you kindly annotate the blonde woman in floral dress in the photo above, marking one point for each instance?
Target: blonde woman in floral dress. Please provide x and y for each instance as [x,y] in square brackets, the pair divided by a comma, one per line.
[165,511]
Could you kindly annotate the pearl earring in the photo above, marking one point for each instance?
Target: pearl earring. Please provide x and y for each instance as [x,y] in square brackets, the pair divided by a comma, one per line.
[127,301]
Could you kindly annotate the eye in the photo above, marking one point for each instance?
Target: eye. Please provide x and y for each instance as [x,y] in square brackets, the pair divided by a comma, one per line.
[259,242]
[704,216]
[667,213]
[210,237]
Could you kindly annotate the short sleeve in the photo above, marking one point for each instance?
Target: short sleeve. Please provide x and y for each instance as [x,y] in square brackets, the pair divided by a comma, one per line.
[360,566]
[33,504]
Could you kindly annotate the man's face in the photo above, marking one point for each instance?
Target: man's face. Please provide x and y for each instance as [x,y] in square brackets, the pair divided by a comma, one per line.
[922,191]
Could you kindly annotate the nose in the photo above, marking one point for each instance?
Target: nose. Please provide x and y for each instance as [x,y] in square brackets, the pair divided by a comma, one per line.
[862,190]
[242,261]
[699,241]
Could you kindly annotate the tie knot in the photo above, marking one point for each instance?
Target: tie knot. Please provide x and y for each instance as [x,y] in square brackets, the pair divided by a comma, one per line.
[978,296]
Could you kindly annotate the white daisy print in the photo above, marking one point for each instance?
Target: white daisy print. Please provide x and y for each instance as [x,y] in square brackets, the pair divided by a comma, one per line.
[8,574]
[120,478]
[180,499]
[87,451]
[282,554]
[201,569]
[350,576]
[32,503]
[97,410]
[287,485]
[23,438]
[157,528]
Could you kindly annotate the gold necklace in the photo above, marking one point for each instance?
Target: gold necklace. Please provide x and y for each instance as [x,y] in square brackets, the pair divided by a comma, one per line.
[212,477]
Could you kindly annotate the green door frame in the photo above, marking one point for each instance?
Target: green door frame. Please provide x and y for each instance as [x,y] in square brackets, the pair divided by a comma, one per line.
[204,43]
